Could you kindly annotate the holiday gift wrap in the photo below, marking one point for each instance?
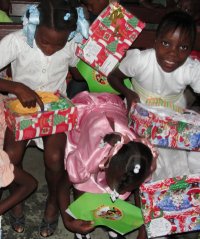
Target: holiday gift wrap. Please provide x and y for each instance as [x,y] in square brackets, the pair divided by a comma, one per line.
[166,125]
[120,215]
[57,117]
[110,36]
[171,206]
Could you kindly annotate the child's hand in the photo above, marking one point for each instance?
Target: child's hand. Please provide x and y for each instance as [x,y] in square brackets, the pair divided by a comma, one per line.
[27,97]
[80,226]
[131,98]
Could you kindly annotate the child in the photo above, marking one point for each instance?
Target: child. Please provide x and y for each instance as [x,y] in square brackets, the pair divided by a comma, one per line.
[164,72]
[11,174]
[102,154]
[40,57]
[26,184]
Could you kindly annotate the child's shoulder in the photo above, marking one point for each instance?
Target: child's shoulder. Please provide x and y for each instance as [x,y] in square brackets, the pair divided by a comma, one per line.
[15,38]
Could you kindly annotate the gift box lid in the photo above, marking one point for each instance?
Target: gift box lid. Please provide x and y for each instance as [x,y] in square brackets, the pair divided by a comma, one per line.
[110,36]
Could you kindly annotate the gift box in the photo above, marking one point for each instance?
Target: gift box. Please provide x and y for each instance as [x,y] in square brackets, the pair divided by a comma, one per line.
[59,116]
[110,36]
[171,206]
[166,125]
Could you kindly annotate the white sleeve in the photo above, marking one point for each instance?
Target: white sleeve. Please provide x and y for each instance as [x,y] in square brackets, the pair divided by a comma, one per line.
[9,48]
[195,76]
[130,63]
[73,59]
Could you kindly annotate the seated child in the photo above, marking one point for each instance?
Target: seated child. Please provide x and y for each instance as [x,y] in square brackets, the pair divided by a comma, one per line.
[100,146]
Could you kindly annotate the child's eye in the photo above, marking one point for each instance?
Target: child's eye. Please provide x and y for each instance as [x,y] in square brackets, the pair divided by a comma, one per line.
[165,43]
[183,48]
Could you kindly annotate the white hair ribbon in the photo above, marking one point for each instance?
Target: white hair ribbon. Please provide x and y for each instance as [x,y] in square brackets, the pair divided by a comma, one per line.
[82,29]
[29,24]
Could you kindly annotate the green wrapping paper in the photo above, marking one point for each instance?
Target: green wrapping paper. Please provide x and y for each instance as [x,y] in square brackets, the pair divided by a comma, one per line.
[120,215]
[96,81]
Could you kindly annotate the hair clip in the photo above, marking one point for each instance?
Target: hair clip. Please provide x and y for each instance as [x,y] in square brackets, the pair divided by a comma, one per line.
[136,169]
[114,195]
[67,16]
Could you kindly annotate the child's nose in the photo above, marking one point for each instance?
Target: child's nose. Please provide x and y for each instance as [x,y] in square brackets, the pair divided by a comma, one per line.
[173,51]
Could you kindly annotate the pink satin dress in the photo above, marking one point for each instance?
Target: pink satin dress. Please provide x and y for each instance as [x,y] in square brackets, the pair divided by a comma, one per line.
[99,114]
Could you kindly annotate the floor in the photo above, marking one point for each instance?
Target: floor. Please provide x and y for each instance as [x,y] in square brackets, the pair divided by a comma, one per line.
[34,206]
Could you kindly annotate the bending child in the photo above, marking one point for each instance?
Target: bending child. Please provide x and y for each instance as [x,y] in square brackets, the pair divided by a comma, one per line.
[103,155]
[164,72]
[40,56]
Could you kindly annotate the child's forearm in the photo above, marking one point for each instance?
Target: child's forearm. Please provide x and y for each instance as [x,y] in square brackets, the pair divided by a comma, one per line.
[116,80]
[8,86]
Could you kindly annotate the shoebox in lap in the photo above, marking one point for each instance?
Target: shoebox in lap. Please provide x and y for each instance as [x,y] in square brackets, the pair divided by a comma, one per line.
[171,206]
[166,125]
[110,36]
[59,115]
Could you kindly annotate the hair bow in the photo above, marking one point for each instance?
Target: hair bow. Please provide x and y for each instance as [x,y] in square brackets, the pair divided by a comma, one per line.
[29,24]
[82,29]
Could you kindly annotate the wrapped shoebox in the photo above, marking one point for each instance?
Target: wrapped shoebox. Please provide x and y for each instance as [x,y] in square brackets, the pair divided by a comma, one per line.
[60,116]
[110,36]
[171,206]
[166,125]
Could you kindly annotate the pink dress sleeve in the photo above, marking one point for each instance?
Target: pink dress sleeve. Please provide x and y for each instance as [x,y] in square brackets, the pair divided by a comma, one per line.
[6,170]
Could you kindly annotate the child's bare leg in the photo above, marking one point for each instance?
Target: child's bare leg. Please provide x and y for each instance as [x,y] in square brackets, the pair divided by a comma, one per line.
[54,151]
[15,151]
[26,184]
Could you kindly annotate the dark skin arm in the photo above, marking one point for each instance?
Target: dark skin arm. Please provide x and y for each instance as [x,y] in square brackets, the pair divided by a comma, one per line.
[116,80]
[26,95]
[196,104]
[73,225]
[76,75]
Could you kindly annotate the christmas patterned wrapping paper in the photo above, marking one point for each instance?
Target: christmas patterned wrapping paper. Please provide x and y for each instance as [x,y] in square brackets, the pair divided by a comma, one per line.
[110,36]
[171,206]
[165,127]
[57,117]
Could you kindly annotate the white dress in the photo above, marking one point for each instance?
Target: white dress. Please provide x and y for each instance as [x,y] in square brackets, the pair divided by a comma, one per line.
[32,68]
[149,80]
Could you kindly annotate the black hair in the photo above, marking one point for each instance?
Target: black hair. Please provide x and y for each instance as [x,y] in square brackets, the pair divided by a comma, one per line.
[52,14]
[130,155]
[178,20]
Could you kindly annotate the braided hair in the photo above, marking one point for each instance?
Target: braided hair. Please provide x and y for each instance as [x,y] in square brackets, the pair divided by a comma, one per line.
[52,14]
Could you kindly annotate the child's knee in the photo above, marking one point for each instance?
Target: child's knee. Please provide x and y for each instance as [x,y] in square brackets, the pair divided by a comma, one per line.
[55,160]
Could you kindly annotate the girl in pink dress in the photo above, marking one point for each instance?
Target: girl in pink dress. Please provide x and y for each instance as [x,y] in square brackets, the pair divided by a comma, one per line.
[102,154]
